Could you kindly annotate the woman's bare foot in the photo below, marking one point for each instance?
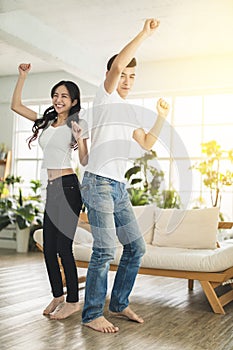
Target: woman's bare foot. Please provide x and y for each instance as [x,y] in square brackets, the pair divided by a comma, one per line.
[66,310]
[100,324]
[53,305]
[130,314]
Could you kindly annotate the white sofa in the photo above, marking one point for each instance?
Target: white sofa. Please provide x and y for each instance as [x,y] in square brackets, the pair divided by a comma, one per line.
[179,243]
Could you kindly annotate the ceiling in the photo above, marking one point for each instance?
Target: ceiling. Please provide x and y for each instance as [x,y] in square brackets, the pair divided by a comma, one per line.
[78,36]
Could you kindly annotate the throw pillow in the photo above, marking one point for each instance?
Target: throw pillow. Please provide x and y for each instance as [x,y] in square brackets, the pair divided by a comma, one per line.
[194,228]
[82,236]
[145,218]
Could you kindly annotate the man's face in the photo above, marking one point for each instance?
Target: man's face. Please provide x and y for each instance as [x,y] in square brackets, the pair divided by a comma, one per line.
[126,81]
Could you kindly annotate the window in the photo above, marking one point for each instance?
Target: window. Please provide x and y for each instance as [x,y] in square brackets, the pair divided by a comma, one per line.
[27,162]
[192,120]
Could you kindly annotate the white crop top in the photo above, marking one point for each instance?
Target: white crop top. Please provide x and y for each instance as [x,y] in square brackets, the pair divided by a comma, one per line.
[56,146]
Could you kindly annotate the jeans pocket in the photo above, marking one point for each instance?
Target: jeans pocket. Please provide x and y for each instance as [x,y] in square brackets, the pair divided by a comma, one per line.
[85,193]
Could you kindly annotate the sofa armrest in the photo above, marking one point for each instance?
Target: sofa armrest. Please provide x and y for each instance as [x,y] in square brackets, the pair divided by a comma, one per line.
[225,224]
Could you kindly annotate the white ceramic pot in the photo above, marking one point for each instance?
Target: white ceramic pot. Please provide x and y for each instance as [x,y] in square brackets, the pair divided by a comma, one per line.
[22,239]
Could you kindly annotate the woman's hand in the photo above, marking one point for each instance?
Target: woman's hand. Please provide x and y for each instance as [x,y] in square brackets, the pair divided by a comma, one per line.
[76,130]
[24,68]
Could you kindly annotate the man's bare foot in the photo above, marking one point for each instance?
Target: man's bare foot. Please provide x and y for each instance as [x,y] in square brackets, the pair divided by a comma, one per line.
[66,310]
[128,313]
[100,324]
[53,305]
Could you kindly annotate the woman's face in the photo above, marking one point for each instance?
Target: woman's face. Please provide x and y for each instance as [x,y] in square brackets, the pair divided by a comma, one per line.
[62,101]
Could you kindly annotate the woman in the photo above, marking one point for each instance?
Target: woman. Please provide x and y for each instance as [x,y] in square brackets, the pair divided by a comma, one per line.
[59,134]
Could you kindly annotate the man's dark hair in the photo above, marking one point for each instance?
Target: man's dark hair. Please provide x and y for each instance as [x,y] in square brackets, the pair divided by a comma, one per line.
[132,63]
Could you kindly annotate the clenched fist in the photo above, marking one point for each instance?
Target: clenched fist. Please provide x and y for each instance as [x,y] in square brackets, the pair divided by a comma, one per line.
[162,108]
[24,68]
[76,130]
[150,25]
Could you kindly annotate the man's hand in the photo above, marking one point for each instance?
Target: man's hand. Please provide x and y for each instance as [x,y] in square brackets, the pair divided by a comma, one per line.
[150,26]
[162,108]
[76,130]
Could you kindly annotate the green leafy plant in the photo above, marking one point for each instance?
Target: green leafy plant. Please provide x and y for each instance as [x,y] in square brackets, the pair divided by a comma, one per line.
[138,196]
[144,179]
[3,189]
[3,150]
[18,210]
[145,184]
[216,169]
[11,180]
[35,187]
[168,199]
[143,168]
[11,211]
[23,215]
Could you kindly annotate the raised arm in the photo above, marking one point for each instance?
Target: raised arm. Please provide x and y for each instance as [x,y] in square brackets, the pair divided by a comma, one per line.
[147,140]
[16,102]
[127,54]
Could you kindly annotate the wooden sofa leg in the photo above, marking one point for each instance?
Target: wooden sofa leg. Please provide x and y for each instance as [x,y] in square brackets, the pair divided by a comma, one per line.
[81,279]
[190,284]
[62,272]
[212,297]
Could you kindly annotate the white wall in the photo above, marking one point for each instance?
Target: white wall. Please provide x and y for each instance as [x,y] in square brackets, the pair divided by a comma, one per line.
[194,74]
[6,124]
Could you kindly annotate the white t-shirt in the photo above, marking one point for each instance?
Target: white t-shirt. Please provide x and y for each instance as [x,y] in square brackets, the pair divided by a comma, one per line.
[111,125]
[56,145]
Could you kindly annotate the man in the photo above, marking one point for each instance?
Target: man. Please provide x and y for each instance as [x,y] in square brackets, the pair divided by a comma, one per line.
[104,193]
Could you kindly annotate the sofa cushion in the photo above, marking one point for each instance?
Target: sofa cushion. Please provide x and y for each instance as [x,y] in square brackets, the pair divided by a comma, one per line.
[145,219]
[144,215]
[82,236]
[203,260]
[194,228]
[184,259]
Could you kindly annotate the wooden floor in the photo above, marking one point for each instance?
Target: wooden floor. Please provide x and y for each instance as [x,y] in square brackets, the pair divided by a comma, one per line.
[175,319]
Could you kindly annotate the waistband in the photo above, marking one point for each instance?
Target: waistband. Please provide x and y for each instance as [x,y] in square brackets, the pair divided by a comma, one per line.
[96,176]
[61,180]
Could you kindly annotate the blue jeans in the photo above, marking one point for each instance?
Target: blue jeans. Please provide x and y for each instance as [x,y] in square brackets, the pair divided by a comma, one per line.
[111,216]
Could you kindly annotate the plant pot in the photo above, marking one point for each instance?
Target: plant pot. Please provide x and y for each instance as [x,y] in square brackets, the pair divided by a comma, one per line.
[3,155]
[22,239]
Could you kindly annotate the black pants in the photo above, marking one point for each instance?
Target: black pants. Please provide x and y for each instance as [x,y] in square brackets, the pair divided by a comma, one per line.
[63,205]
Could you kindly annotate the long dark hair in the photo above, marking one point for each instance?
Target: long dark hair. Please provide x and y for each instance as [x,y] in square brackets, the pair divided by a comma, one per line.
[51,115]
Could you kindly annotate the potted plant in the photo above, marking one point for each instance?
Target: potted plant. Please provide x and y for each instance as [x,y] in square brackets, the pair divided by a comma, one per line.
[3,189]
[3,151]
[168,199]
[145,184]
[23,213]
[144,179]
[10,181]
[215,171]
